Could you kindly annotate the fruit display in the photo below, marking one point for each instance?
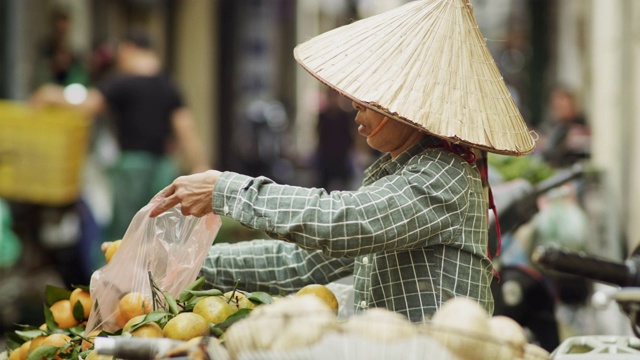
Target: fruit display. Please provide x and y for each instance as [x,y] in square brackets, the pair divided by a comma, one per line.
[239,324]
[61,336]
[302,324]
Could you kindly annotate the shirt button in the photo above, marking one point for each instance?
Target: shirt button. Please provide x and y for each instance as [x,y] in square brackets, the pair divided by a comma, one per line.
[363,304]
[365,260]
[226,210]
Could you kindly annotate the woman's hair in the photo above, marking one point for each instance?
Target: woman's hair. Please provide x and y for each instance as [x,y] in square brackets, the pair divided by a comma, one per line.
[138,37]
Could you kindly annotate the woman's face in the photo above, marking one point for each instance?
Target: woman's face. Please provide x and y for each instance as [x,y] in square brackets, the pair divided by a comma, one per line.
[393,137]
[563,106]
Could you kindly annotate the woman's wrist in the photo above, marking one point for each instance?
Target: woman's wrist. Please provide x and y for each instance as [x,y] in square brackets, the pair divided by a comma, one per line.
[212,177]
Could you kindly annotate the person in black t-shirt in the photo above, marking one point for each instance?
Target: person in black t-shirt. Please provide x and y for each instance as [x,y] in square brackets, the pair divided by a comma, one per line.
[151,121]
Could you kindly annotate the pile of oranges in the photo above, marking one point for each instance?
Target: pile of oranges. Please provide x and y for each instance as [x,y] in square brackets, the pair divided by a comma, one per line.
[193,314]
[66,315]
[64,318]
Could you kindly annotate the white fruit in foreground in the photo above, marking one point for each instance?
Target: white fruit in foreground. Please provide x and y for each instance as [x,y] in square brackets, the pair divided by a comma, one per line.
[462,325]
[535,352]
[381,325]
[287,324]
[509,338]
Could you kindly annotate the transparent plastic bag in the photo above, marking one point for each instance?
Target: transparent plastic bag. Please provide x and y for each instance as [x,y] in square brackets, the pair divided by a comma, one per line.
[170,248]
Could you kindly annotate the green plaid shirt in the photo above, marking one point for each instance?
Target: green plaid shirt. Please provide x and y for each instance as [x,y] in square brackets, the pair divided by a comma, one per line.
[413,236]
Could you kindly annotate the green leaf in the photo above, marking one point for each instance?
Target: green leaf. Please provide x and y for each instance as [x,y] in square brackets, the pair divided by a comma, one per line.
[213,330]
[52,325]
[194,286]
[78,311]
[154,316]
[54,294]
[30,334]
[171,303]
[210,292]
[77,330]
[238,315]
[84,354]
[43,351]
[13,340]
[259,297]
[68,351]
[184,296]
[189,305]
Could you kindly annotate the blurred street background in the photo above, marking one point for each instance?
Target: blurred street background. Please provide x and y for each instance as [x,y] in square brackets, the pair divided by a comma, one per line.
[572,67]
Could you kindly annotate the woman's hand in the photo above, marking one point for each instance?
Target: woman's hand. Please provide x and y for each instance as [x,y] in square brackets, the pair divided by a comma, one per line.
[192,192]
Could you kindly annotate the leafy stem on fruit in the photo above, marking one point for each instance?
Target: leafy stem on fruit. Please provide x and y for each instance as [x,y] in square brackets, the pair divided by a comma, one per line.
[235,287]
[157,297]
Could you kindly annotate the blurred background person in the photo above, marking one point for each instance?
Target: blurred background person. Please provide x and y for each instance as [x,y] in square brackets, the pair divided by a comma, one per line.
[335,142]
[566,136]
[56,60]
[153,127]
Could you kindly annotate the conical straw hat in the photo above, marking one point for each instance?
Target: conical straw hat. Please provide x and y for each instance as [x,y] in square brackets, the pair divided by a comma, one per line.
[425,63]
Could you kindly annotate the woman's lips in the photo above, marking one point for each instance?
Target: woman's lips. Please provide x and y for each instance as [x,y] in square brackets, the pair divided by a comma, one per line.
[362,130]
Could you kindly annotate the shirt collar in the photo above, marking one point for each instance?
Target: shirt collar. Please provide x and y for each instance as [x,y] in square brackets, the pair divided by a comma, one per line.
[385,165]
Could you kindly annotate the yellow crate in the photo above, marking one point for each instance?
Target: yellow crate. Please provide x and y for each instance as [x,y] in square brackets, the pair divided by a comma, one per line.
[42,153]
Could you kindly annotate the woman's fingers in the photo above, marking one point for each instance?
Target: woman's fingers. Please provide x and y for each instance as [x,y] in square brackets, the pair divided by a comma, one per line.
[186,210]
[166,192]
[192,192]
[164,205]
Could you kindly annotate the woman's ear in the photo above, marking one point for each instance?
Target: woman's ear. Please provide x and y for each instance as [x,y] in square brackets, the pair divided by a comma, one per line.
[358,106]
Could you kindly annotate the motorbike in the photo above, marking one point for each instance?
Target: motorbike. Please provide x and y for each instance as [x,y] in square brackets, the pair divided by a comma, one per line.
[624,276]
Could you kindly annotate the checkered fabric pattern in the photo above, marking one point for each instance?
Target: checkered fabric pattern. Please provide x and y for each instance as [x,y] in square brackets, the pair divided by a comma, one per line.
[414,235]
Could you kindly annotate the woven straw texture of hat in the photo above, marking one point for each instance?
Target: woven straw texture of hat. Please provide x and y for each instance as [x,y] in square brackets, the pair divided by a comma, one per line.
[425,63]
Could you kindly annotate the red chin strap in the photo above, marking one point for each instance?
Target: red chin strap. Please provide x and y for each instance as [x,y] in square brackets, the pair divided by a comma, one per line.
[378,128]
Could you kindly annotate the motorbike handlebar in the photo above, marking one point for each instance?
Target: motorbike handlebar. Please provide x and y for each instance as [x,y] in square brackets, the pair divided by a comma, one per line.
[624,274]
[575,171]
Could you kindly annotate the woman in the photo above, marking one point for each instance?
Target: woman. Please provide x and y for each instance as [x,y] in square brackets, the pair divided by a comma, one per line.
[415,234]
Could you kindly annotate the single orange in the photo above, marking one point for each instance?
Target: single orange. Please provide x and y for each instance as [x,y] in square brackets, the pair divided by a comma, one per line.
[111,250]
[120,321]
[63,314]
[18,353]
[132,305]
[57,340]
[36,342]
[24,350]
[84,298]
[186,326]
[321,291]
